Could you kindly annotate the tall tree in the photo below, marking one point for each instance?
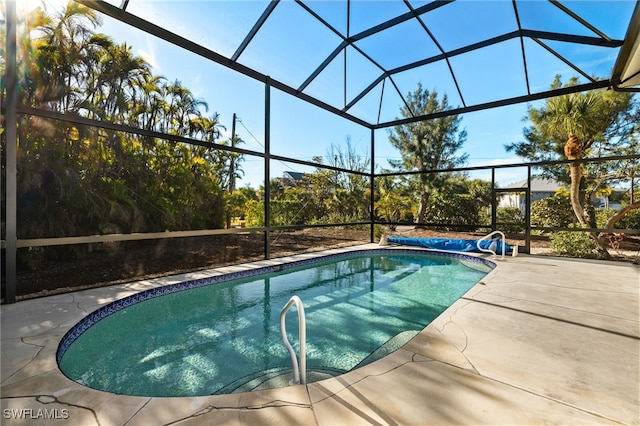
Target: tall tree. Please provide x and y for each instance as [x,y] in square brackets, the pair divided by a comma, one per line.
[62,50]
[81,180]
[343,194]
[428,145]
[578,126]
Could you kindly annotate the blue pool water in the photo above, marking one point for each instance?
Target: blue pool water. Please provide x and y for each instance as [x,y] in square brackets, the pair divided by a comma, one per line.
[203,338]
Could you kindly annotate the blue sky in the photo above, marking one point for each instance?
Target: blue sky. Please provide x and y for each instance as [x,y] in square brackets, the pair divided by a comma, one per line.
[292,44]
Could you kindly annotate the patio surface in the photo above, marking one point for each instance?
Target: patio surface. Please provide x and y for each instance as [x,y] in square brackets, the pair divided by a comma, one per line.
[540,340]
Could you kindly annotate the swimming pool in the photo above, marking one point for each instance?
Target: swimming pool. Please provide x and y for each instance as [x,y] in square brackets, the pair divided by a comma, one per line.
[221,334]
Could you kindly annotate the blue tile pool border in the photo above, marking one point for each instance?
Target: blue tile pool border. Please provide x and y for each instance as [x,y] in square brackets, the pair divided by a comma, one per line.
[111,308]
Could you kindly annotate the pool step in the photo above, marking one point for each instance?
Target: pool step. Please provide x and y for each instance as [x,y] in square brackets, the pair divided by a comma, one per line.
[283,376]
[391,345]
[276,378]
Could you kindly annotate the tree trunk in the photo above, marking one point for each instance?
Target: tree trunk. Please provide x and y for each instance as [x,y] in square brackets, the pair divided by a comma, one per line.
[575,172]
[573,150]
[422,210]
[616,217]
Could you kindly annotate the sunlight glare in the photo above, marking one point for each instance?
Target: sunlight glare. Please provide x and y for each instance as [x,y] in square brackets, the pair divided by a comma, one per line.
[26,5]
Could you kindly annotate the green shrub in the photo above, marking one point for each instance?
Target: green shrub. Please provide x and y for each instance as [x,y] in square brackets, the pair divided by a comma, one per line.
[452,209]
[630,221]
[283,212]
[602,215]
[254,213]
[552,212]
[509,219]
[378,231]
[575,244]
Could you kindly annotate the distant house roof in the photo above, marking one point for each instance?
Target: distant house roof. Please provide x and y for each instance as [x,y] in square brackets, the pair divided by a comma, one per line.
[293,175]
[537,185]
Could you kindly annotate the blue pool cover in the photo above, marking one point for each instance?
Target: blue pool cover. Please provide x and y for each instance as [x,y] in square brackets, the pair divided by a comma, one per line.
[450,244]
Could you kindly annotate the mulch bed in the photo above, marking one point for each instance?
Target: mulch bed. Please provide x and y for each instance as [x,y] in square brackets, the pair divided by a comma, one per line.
[70,268]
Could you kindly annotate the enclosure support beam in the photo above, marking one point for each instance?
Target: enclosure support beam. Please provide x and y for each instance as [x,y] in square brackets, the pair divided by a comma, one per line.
[600,84]
[494,201]
[267,169]
[527,214]
[372,186]
[173,38]
[11,155]
[259,23]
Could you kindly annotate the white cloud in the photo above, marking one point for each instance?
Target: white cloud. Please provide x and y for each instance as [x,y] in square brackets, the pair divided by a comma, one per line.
[503,176]
[494,161]
[150,57]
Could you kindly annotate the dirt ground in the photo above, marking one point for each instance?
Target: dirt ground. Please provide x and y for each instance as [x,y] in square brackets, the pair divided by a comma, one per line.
[64,269]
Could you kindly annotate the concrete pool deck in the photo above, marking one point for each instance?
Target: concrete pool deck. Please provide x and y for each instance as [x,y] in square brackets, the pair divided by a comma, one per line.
[540,340]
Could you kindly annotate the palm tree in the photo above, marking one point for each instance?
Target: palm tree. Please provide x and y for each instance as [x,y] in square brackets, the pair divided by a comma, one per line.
[577,117]
[79,179]
[148,105]
[580,117]
[62,50]
[579,126]
[118,77]
[182,108]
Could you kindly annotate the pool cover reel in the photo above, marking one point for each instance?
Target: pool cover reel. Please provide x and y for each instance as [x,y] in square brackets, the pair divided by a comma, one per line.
[451,244]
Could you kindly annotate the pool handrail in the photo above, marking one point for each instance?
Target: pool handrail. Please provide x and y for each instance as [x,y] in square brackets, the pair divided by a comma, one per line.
[489,250]
[299,371]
